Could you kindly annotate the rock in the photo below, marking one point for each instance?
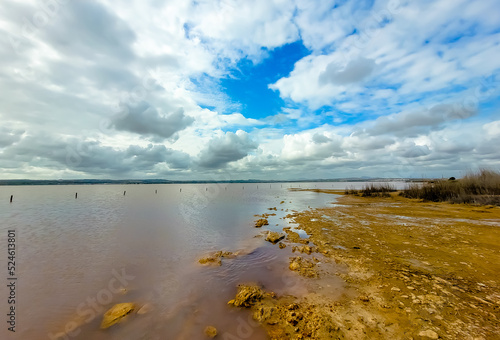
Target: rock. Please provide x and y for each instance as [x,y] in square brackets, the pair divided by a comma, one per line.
[364,298]
[305,249]
[216,258]
[292,235]
[247,295]
[293,318]
[429,334]
[211,331]
[260,222]
[274,237]
[304,267]
[116,313]
[264,314]
[211,260]
[294,266]
[282,245]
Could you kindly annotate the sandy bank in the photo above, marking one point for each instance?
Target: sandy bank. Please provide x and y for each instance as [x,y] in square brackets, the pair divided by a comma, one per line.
[414,271]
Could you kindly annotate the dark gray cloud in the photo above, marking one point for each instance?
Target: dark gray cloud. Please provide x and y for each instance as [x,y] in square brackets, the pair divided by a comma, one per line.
[412,124]
[90,156]
[9,137]
[366,142]
[145,120]
[355,71]
[153,154]
[228,148]
[320,138]
[415,151]
[88,30]
[454,146]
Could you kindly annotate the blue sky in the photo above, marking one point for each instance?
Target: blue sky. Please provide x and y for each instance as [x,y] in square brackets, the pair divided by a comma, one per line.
[270,89]
[248,83]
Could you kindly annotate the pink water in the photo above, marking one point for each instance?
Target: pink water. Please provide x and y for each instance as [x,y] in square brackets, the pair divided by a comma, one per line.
[75,258]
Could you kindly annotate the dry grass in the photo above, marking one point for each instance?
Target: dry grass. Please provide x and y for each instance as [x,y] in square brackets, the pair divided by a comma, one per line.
[482,187]
[372,190]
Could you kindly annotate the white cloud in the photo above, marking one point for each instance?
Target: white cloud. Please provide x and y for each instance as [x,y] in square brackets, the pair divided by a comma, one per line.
[226,149]
[419,48]
[398,86]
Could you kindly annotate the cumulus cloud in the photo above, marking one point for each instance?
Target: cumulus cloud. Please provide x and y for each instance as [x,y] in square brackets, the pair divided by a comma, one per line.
[355,71]
[91,156]
[384,87]
[9,136]
[145,157]
[421,50]
[306,147]
[419,122]
[146,120]
[225,149]
[414,151]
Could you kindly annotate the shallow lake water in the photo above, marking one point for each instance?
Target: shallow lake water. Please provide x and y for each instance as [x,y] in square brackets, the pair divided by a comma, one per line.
[75,258]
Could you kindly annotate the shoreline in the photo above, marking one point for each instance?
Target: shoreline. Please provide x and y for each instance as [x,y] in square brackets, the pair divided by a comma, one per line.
[413,270]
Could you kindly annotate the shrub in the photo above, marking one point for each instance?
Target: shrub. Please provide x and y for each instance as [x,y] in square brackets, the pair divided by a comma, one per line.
[482,187]
[372,190]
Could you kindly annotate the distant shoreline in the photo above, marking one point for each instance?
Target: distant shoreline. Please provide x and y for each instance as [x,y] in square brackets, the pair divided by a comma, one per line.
[11,182]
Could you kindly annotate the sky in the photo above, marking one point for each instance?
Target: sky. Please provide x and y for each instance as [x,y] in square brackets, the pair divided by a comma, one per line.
[236,89]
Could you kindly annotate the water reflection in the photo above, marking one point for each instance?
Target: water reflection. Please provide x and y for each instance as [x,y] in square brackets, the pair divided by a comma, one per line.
[71,249]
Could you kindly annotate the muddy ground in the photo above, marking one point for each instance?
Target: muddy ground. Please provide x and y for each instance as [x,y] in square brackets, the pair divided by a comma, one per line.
[413,270]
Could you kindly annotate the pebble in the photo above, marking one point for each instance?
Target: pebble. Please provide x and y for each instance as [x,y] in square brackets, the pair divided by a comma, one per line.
[211,331]
[429,334]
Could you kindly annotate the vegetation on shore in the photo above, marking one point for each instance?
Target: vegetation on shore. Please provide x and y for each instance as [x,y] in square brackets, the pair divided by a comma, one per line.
[372,190]
[482,187]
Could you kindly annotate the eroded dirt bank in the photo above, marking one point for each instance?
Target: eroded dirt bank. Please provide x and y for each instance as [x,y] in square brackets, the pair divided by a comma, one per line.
[414,271]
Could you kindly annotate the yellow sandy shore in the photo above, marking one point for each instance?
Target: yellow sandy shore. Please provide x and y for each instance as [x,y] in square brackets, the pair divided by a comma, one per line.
[414,270]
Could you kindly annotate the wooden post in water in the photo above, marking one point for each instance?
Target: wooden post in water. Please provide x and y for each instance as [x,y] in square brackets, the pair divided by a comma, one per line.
[156,191]
[124,193]
[11,198]
[76,195]
[180,190]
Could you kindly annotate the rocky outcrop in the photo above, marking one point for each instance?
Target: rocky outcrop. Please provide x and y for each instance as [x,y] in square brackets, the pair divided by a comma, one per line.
[284,319]
[247,295]
[116,313]
[260,222]
[304,267]
[304,249]
[294,237]
[274,237]
[216,258]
